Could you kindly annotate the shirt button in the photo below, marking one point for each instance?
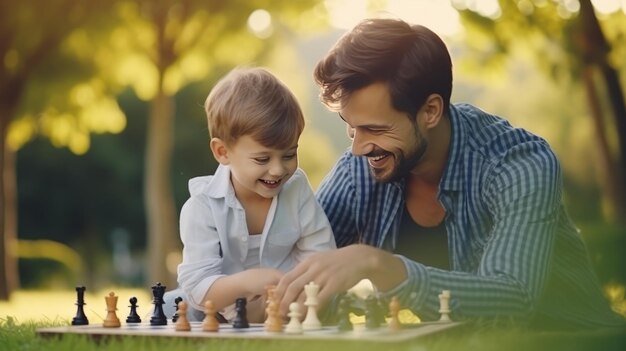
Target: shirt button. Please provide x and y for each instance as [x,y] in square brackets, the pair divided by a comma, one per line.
[244,238]
[413,295]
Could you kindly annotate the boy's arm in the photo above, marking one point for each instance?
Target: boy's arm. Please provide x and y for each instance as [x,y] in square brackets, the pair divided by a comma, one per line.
[201,275]
[202,254]
[249,283]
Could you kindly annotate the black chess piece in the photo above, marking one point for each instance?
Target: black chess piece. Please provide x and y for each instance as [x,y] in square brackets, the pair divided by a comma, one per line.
[158,316]
[133,317]
[177,300]
[241,319]
[81,318]
[372,313]
[343,311]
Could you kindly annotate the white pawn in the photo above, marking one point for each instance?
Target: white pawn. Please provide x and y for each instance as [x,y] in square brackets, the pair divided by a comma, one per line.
[294,326]
[311,322]
[444,306]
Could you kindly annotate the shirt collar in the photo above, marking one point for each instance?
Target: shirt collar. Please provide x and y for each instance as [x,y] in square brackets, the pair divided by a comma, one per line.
[452,178]
[221,186]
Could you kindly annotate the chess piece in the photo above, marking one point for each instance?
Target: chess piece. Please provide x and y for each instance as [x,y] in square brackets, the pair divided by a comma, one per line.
[269,291]
[210,323]
[372,313]
[241,319]
[158,317]
[311,322]
[133,317]
[177,300]
[111,320]
[294,326]
[343,311]
[274,323]
[444,306]
[80,318]
[394,309]
[182,324]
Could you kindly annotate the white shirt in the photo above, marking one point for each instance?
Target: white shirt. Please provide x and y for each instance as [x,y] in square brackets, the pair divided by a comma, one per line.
[215,235]
[254,249]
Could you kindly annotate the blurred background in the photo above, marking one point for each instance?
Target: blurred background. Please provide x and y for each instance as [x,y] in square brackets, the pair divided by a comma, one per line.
[102,121]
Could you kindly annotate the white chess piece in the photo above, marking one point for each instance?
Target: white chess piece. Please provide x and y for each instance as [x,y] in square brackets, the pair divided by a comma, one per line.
[444,306]
[311,322]
[294,326]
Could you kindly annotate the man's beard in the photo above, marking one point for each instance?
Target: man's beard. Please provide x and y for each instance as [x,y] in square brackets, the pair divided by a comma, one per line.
[404,163]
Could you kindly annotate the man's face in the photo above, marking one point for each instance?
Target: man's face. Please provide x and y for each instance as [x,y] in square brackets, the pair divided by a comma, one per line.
[392,143]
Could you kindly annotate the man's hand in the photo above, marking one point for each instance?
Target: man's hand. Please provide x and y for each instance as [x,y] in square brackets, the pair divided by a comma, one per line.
[337,271]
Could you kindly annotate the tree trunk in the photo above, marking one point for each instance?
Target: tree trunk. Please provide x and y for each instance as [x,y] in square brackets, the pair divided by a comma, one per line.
[9,278]
[161,213]
[4,245]
[594,49]
[610,175]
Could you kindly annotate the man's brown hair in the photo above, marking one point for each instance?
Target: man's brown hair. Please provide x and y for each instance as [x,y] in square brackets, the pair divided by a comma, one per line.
[412,60]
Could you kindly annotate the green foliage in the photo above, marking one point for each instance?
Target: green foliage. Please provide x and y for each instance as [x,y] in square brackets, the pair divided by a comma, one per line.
[553,37]
[48,67]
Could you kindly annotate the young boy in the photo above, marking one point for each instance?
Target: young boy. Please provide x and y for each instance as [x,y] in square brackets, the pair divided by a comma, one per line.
[257,216]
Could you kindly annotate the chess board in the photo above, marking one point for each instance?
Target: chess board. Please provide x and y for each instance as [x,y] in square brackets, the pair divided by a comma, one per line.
[256,331]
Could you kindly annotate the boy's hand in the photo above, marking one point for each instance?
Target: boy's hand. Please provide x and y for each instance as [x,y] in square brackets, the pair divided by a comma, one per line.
[256,280]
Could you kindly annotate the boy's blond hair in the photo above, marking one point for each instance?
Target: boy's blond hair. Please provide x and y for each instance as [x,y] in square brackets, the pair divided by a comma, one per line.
[252,101]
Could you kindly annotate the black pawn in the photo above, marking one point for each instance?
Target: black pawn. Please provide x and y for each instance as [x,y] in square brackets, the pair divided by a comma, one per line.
[133,317]
[158,317]
[81,318]
[241,319]
[177,300]
[344,323]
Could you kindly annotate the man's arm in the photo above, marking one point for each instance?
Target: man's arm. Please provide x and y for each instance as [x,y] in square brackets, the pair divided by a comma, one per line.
[339,270]
[523,197]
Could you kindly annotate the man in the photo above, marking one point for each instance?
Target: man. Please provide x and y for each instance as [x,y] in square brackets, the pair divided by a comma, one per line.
[436,196]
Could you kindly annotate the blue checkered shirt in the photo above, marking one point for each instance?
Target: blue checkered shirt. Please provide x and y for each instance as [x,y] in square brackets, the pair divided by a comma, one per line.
[513,250]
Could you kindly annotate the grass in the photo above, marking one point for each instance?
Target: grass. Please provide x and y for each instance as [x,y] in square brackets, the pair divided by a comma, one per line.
[21,336]
[29,310]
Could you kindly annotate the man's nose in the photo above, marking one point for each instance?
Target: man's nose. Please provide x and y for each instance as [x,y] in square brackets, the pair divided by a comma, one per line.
[358,143]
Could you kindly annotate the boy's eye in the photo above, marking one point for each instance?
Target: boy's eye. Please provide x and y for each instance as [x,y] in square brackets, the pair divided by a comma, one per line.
[261,159]
[289,157]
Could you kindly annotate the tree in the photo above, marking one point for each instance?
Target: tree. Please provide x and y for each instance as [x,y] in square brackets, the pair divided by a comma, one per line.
[569,43]
[45,77]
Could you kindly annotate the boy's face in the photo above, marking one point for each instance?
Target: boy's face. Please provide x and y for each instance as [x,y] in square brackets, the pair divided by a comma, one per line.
[257,170]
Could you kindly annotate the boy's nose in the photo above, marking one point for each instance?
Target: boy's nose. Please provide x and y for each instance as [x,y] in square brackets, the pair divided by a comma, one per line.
[277,169]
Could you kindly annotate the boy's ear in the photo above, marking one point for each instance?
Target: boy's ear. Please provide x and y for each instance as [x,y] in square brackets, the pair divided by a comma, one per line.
[220,151]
